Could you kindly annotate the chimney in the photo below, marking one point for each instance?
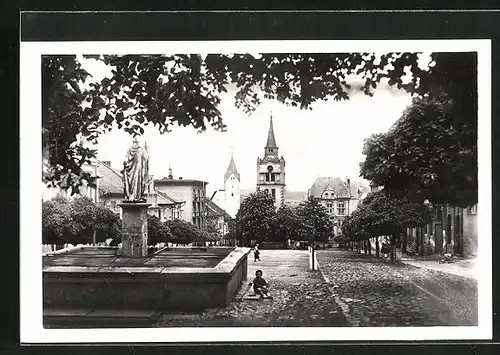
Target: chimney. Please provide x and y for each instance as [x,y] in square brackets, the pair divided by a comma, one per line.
[180,177]
[170,176]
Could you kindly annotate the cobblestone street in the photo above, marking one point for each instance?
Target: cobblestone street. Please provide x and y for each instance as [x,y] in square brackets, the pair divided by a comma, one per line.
[301,298]
[360,290]
[376,293]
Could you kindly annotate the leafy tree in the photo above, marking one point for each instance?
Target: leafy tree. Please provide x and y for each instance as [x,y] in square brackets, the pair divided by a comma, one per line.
[107,224]
[424,157]
[83,217]
[315,220]
[78,221]
[255,218]
[64,118]
[431,152]
[185,90]
[383,215]
[288,223]
[158,232]
[184,232]
[56,221]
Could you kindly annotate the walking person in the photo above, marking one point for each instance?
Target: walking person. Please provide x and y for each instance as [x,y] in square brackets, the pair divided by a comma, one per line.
[256,253]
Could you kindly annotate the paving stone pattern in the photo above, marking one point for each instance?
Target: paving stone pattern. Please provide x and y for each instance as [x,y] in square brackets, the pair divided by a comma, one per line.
[300,298]
[373,292]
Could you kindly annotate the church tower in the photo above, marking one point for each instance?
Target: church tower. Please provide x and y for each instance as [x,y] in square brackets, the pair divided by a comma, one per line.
[271,169]
[232,189]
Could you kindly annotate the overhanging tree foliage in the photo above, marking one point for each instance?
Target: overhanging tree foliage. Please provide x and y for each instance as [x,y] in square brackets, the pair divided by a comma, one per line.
[431,151]
[185,90]
[255,219]
[424,157]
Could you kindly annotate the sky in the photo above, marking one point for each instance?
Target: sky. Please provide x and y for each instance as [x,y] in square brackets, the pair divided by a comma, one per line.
[324,141]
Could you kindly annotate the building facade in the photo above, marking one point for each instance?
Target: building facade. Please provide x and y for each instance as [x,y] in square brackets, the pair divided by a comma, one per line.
[452,230]
[271,170]
[192,192]
[339,197]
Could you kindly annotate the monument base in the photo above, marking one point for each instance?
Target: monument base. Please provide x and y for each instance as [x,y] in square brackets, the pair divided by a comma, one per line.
[134,229]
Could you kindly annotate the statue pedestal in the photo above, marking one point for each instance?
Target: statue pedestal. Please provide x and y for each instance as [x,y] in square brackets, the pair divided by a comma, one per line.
[134,229]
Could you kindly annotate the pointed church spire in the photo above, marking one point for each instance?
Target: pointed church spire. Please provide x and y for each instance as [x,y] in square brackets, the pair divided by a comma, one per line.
[271,141]
[231,169]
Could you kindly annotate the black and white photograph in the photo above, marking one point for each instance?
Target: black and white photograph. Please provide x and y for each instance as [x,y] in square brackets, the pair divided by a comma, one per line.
[189,191]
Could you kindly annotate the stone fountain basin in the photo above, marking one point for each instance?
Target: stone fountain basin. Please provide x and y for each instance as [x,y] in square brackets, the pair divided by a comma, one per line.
[172,279]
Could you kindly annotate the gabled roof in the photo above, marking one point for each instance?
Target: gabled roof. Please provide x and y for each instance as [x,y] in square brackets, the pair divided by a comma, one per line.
[110,180]
[271,141]
[339,186]
[164,199]
[214,210]
[323,183]
[231,169]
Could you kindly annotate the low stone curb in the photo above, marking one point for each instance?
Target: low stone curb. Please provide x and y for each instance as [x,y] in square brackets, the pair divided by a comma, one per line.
[353,321]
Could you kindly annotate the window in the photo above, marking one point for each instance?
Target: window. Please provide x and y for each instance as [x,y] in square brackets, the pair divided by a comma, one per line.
[472,209]
[273,177]
[274,193]
[341,208]
[232,194]
[329,207]
[267,177]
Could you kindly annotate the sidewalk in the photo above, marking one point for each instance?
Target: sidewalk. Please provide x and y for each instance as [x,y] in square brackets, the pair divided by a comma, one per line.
[460,267]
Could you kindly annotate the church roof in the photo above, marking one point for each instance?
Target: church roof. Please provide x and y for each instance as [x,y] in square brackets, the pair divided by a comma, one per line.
[231,169]
[271,141]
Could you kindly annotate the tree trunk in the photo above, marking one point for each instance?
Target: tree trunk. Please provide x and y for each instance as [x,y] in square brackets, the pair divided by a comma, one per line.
[405,243]
[377,247]
[369,247]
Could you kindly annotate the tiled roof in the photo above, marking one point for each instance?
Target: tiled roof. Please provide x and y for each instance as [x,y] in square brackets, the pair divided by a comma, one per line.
[214,210]
[231,169]
[164,199]
[110,180]
[338,185]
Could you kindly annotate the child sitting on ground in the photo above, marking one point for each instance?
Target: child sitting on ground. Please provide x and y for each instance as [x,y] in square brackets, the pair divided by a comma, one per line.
[260,286]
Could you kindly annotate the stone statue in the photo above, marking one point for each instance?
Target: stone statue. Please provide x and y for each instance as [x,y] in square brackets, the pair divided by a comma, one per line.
[136,172]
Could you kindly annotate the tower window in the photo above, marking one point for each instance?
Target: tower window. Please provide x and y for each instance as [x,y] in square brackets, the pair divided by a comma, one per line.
[274,193]
[273,177]
[267,177]
[232,194]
